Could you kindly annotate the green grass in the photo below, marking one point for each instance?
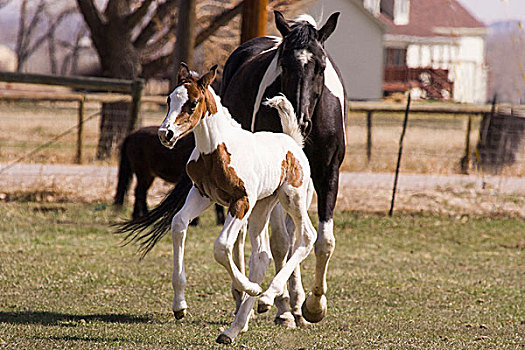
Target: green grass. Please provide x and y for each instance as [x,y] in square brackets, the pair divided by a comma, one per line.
[410,282]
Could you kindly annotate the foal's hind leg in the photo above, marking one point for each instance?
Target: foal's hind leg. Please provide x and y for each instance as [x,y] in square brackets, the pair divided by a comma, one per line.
[259,262]
[294,202]
[195,204]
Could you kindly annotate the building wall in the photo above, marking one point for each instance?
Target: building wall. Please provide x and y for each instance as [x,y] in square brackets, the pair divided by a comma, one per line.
[464,57]
[356,46]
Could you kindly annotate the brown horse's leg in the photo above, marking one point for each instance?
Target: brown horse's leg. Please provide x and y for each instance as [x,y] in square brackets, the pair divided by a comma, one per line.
[144,182]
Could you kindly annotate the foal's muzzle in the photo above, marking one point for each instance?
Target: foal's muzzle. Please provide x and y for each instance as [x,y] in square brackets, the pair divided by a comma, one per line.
[166,137]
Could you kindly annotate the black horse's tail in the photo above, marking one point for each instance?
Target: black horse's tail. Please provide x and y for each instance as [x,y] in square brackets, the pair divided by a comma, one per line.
[124,175]
[149,229]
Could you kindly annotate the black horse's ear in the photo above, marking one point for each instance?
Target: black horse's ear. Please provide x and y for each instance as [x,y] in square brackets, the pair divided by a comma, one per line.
[281,24]
[184,72]
[328,28]
[208,78]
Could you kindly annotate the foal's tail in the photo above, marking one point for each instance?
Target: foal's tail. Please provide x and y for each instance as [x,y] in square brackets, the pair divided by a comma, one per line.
[149,229]
[124,175]
[288,117]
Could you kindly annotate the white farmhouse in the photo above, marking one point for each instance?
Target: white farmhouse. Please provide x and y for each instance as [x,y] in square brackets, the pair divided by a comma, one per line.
[436,46]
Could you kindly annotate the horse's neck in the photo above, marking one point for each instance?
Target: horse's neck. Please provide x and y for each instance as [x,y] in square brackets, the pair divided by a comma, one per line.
[212,130]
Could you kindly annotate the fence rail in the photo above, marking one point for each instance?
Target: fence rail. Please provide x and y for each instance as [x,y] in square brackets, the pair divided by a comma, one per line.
[133,88]
[438,108]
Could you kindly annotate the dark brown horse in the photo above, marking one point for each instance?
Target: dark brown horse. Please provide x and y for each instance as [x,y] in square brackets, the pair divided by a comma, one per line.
[142,154]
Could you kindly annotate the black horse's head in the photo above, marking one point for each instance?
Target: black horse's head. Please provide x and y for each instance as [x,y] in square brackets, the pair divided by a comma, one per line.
[302,60]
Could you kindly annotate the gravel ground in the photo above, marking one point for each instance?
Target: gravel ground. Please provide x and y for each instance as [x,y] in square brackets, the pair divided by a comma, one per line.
[370,192]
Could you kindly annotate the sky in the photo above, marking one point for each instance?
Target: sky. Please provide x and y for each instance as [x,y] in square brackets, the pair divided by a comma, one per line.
[490,11]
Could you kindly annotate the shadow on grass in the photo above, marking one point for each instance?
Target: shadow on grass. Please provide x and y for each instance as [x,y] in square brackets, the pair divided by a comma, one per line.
[52,318]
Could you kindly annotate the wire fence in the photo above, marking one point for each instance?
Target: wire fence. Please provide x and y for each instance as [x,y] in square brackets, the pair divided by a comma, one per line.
[38,142]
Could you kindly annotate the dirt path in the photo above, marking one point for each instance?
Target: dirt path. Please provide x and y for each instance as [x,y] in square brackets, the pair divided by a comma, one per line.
[451,194]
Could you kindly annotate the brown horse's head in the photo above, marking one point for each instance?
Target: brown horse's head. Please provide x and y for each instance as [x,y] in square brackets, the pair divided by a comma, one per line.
[188,104]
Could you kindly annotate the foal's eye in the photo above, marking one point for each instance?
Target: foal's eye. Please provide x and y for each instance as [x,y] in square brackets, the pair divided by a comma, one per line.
[194,104]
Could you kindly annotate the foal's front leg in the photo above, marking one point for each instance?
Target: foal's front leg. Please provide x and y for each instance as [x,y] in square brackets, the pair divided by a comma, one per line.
[223,247]
[195,204]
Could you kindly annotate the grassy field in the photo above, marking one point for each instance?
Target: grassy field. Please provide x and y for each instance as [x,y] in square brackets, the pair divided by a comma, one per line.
[434,143]
[408,282]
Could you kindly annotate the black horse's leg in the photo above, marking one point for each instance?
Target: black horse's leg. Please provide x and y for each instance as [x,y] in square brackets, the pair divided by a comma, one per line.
[219,211]
[144,182]
[326,182]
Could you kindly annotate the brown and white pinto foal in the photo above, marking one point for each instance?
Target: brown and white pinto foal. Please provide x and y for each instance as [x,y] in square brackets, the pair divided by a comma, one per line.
[247,172]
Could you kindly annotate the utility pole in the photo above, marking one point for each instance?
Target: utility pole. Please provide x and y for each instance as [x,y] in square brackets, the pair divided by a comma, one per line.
[254,15]
[185,36]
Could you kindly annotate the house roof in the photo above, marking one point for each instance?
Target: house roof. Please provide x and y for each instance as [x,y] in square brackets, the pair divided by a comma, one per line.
[428,16]
[378,21]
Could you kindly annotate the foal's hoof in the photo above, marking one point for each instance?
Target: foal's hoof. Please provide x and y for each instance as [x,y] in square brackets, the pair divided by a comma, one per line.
[179,314]
[285,320]
[262,307]
[223,339]
[314,310]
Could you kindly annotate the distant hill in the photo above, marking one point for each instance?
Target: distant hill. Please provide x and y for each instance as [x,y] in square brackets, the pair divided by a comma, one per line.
[506,61]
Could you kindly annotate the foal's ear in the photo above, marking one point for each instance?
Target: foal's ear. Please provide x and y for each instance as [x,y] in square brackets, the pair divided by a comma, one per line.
[281,24]
[184,72]
[328,28]
[208,78]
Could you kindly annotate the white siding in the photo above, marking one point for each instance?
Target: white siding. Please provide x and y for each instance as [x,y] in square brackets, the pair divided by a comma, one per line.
[356,46]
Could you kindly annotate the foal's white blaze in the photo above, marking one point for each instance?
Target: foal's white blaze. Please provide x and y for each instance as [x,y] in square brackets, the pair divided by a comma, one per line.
[303,56]
[273,71]
[333,83]
[178,98]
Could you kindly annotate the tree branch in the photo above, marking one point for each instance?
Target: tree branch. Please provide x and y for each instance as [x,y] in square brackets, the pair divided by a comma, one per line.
[150,69]
[158,44]
[220,20]
[50,32]
[37,16]
[92,17]
[154,24]
[135,17]
[116,9]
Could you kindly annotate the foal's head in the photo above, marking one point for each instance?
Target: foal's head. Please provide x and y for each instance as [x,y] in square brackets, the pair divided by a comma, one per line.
[302,59]
[187,105]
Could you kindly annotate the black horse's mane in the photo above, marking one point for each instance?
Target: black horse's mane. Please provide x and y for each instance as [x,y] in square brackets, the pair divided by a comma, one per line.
[301,35]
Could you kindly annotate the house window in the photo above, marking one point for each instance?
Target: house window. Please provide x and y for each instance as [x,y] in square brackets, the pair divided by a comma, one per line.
[387,8]
[402,12]
[395,57]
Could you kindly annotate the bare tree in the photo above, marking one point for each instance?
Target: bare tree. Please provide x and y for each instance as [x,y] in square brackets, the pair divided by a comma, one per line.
[133,39]
[36,27]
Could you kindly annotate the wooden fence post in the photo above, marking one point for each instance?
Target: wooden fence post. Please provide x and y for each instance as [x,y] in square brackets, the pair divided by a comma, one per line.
[81,108]
[368,136]
[136,95]
[465,161]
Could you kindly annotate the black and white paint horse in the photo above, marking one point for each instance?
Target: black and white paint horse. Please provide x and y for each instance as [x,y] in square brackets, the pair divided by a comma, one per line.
[299,67]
